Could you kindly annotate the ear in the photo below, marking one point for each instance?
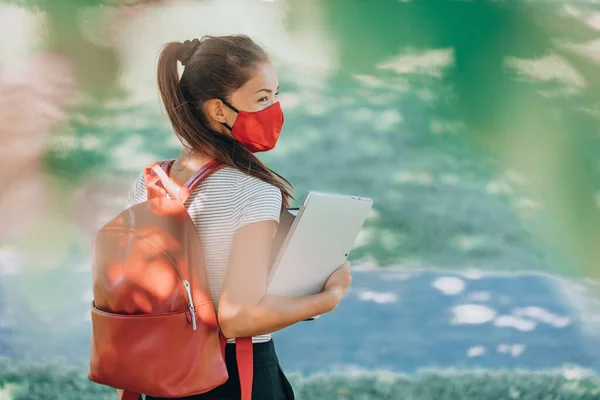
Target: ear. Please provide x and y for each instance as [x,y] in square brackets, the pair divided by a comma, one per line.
[213,109]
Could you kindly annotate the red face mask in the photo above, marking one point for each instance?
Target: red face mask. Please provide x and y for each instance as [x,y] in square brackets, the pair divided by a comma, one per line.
[257,131]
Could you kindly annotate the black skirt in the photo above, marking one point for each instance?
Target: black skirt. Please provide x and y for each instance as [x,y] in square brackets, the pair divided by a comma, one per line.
[269,381]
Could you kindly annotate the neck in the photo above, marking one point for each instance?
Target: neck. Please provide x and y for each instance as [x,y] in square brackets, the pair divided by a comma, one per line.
[191,160]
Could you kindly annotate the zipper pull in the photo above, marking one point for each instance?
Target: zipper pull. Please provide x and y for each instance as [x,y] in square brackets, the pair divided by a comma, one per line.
[188,290]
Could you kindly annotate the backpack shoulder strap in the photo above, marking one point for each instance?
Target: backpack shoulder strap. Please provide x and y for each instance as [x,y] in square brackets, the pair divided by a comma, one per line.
[128,395]
[207,170]
[244,354]
[158,182]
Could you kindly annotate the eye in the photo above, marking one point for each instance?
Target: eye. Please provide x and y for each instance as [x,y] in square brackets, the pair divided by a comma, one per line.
[263,99]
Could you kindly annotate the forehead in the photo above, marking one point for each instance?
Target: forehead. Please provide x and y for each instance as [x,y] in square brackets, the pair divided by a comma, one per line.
[263,77]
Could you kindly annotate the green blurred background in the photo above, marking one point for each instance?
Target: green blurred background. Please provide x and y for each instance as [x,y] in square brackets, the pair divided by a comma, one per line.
[473,125]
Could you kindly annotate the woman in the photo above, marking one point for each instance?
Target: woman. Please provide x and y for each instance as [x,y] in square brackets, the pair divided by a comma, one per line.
[225,107]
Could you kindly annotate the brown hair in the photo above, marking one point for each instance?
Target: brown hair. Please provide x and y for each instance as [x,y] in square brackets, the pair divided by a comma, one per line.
[215,66]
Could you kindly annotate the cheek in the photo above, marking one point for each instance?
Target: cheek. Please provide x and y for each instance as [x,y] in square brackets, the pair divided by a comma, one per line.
[231,117]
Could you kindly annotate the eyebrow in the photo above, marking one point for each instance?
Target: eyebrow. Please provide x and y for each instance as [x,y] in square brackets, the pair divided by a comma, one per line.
[267,90]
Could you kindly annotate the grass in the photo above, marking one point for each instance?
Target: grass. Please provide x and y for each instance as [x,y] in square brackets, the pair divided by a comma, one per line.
[54,380]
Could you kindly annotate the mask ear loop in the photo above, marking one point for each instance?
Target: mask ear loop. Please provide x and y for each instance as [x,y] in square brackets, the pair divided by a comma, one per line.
[231,107]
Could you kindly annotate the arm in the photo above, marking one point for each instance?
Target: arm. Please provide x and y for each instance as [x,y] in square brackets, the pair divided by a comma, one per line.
[286,219]
[244,308]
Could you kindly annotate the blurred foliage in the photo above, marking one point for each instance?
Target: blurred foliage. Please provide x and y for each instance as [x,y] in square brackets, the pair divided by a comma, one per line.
[549,139]
[511,117]
[502,110]
[57,381]
[96,65]
[83,145]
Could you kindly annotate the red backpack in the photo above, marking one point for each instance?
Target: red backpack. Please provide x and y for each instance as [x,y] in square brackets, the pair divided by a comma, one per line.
[154,326]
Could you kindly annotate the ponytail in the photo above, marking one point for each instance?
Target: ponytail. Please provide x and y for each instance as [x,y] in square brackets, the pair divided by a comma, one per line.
[183,99]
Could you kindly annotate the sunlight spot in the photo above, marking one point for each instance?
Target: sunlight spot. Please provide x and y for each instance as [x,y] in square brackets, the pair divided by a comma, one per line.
[7,323]
[593,21]
[347,100]
[316,109]
[403,177]
[10,261]
[389,239]
[473,274]
[480,296]
[514,393]
[87,296]
[289,101]
[374,216]
[571,11]
[547,68]
[472,314]
[514,350]
[576,373]
[469,242]
[426,95]
[431,62]
[387,120]
[367,262]
[516,178]
[499,186]
[510,321]
[449,179]
[449,286]
[476,351]
[378,297]
[20,32]
[421,177]
[527,206]
[365,236]
[544,316]
[91,23]
[362,114]
[425,178]
[382,100]
[370,81]
[84,266]
[592,281]
[436,127]
[121,155]
[90,143]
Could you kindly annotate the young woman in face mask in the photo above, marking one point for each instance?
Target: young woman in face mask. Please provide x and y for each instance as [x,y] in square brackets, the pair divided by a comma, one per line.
[224,107]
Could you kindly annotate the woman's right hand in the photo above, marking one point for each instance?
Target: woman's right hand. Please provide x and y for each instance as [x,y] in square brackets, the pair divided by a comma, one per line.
[339,282]
[245,308]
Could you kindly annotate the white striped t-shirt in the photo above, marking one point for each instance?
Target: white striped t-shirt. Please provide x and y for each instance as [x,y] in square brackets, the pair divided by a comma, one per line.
[224,202]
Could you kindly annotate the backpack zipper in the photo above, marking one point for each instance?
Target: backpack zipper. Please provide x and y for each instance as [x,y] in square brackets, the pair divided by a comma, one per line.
[191,307]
